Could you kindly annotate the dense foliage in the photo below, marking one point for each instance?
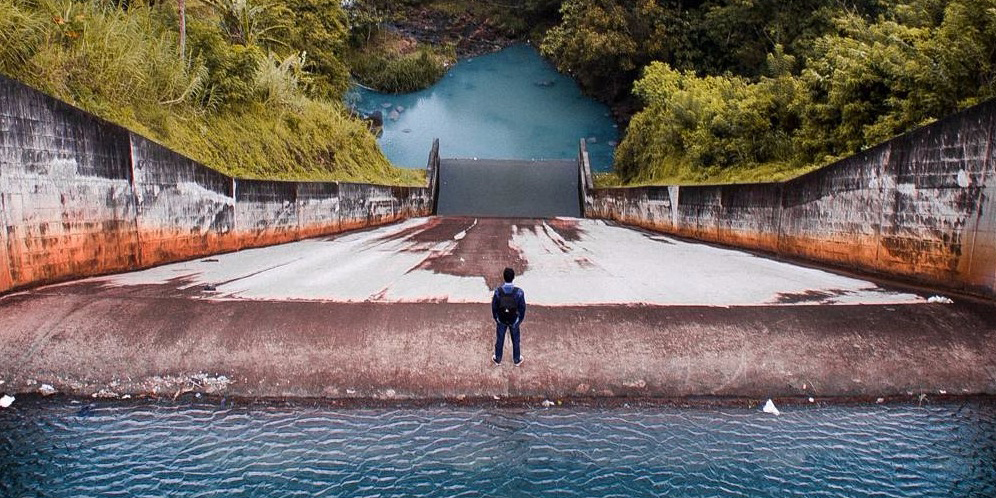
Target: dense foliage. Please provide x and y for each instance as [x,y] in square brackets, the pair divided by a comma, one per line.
[257,92]
[761,89]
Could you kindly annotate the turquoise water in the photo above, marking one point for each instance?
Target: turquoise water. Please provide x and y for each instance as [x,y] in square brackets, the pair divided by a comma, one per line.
[62,448]
[508,105]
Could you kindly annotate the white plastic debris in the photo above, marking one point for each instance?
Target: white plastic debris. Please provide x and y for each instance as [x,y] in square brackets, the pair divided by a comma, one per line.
[880,400]
[940,300]
[812,400]
[46,390]
[547,403]
[6,401]
[769,407]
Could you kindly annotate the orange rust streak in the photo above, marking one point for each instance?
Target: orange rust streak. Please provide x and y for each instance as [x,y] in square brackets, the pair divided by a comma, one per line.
[921,261]
[76,255]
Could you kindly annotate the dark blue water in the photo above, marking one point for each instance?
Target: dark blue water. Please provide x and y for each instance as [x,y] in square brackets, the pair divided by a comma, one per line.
[63,449]
[508,105]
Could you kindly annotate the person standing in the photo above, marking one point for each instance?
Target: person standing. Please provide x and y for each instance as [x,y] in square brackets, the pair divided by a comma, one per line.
[508,308]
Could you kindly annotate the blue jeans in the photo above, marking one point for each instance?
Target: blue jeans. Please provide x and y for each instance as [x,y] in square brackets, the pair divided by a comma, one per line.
[500,341]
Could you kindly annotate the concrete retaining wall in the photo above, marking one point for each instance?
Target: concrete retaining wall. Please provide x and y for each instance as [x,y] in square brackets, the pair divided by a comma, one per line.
[80,196]
[919,207]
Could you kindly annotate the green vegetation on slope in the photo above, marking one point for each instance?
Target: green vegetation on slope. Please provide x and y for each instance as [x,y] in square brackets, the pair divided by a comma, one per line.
[257,92]
[734,90]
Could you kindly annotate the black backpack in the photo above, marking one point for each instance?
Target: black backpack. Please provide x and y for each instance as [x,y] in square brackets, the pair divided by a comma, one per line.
[508,308]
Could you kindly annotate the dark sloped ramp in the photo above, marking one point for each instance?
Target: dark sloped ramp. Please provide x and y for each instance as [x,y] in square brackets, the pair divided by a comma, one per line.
[522,189]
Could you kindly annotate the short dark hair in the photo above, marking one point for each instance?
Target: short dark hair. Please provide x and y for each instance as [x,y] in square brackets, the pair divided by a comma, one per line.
[509,274]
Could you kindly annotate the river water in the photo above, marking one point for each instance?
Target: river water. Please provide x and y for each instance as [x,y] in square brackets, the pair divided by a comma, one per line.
[512,104]
[68,448]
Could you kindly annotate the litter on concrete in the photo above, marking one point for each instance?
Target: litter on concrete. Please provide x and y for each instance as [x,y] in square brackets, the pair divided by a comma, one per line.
[769,407]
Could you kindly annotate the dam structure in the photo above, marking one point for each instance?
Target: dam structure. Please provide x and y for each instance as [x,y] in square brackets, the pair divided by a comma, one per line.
[131,270]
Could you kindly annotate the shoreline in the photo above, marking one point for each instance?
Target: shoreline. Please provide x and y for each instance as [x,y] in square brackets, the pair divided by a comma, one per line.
[611,403]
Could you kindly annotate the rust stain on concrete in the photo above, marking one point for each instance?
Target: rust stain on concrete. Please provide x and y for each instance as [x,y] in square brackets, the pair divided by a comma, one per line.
[482,248]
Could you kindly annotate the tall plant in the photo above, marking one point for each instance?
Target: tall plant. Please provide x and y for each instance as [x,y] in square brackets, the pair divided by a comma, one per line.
[250,23]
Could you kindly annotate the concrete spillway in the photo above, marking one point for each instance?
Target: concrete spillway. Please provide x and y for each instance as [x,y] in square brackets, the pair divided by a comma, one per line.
[525,189]
[401,312]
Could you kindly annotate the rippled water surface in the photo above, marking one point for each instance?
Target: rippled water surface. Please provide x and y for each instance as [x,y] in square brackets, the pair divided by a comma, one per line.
[508,105]
[65,449]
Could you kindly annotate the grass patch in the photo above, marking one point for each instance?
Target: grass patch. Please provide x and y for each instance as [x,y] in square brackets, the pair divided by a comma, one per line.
[393,63]
[676,173]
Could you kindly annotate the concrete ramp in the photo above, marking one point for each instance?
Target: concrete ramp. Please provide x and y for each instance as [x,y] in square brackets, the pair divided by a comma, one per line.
[514,189]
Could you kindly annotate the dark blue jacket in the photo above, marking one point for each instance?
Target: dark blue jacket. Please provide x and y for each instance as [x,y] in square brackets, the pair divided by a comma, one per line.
[520,301]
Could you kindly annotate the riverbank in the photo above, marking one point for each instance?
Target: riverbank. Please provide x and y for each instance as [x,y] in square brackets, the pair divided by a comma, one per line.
[94,340]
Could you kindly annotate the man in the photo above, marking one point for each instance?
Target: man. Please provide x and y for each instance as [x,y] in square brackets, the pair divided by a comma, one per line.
[508,307]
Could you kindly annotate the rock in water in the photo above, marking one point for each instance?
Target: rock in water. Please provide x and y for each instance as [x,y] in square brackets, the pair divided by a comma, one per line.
[46,390]
[394,115]
[769,407]
[6,401]
[400,108]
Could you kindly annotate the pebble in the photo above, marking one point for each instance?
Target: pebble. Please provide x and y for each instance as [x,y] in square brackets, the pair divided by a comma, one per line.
[6,401]
[547,403]
[46,390]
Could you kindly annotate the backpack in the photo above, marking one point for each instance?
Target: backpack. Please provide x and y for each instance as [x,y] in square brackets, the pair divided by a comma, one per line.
[508,308]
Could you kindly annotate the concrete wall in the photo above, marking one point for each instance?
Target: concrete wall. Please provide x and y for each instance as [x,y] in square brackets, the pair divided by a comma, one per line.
[80,196]
[919,207]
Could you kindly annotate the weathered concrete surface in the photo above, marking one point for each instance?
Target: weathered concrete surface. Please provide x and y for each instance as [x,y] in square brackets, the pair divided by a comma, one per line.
[919,207]
[80,196]
[86,337]
[525,189]
[561,261]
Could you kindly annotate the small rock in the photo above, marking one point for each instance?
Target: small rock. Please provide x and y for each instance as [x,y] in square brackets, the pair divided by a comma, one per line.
[390,393]
[461,397]
[939,300]
[811,400]
[547,403]
[880,400]
[104,393]
[6,401]
[769,407]
[942,391]
[350,391]
[46,390]
[394,115]
[30,382]
[198,395]
[400,108]
[126,396]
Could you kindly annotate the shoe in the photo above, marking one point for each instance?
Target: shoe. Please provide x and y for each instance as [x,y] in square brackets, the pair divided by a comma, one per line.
[518,362]
[495,360]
